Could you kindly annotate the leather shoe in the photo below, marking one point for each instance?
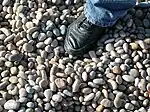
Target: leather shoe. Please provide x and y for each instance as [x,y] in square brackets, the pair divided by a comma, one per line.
[82,36]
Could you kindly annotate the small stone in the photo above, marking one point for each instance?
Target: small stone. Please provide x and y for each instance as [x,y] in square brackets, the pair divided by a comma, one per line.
[30,104]
[6,2]
[86,90]
[84,76]
[60,83]
[109,47]
[89,97]
[148,71]
[13,79]
[62,75]
[129,106]
[129,22]
[57,98]
[128,78]
[28,47]
[134,73]
[56,32]
[13,70]
[11,105]
[147,40]
[43,83]
[99,81]
[139,13]
[117,102]
[75,86]
[68,93]
[106,103]
[112,84]
[116,70]
[100,108]
[134,46]
[48,93]
[146,23]
[68,70]
[15,57]
[22,92]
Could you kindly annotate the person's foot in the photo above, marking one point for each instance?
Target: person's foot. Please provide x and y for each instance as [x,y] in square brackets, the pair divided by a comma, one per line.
[82,36]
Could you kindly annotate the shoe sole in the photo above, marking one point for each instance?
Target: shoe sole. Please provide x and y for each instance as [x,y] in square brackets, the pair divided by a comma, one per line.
[81,51]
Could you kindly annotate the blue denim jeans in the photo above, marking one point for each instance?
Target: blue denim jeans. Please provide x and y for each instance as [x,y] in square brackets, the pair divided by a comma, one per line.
[105,13]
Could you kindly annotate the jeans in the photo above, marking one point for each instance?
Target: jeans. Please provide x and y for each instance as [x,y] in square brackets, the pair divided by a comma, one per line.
[105,13]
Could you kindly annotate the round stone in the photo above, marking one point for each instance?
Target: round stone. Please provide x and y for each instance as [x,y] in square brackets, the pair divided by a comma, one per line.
[60,83]
[28,47]
[109,47]
[57,98]
[116,70]
[129,106]
[134,73]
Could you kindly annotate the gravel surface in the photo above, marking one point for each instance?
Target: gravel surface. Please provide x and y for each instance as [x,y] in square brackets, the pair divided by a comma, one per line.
[37,75]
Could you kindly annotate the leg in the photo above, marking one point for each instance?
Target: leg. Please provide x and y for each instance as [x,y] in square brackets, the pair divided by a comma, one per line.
[86,30]
[105,13]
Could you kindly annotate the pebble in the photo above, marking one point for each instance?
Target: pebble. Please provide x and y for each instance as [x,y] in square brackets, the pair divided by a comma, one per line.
[129,106]
[116,70]
[100,108]
[57,98]
[60,83]
[106,103]
[128,78]
[109,47]
[89,97]
[75,85]
[148,71]
[6,2]
[28,47]
[99,81]
[112,84]
[11,105]
[134,73]
[48,93]
[16,57]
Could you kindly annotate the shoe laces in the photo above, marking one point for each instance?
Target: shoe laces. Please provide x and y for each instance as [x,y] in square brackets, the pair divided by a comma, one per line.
[85,24]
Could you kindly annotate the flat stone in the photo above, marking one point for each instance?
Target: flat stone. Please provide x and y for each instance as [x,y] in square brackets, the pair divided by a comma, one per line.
[134,46]
[13,79]
[100,108]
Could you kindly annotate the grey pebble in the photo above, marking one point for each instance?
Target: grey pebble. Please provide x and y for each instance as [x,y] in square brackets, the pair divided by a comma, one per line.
[89,97]
[99,81]
[11,104]
[128,78]
[106,103]
[6,2]
[129,106]
[28,47]
[57,98]
[109,47]
[148,71]
[75,85]
[48,93]
[134,73]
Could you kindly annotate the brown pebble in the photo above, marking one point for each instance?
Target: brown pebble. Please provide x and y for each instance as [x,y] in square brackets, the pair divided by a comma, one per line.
[100,108]
[116,70]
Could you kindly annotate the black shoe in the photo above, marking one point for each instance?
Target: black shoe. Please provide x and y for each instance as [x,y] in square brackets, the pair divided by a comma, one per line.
[82,36]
